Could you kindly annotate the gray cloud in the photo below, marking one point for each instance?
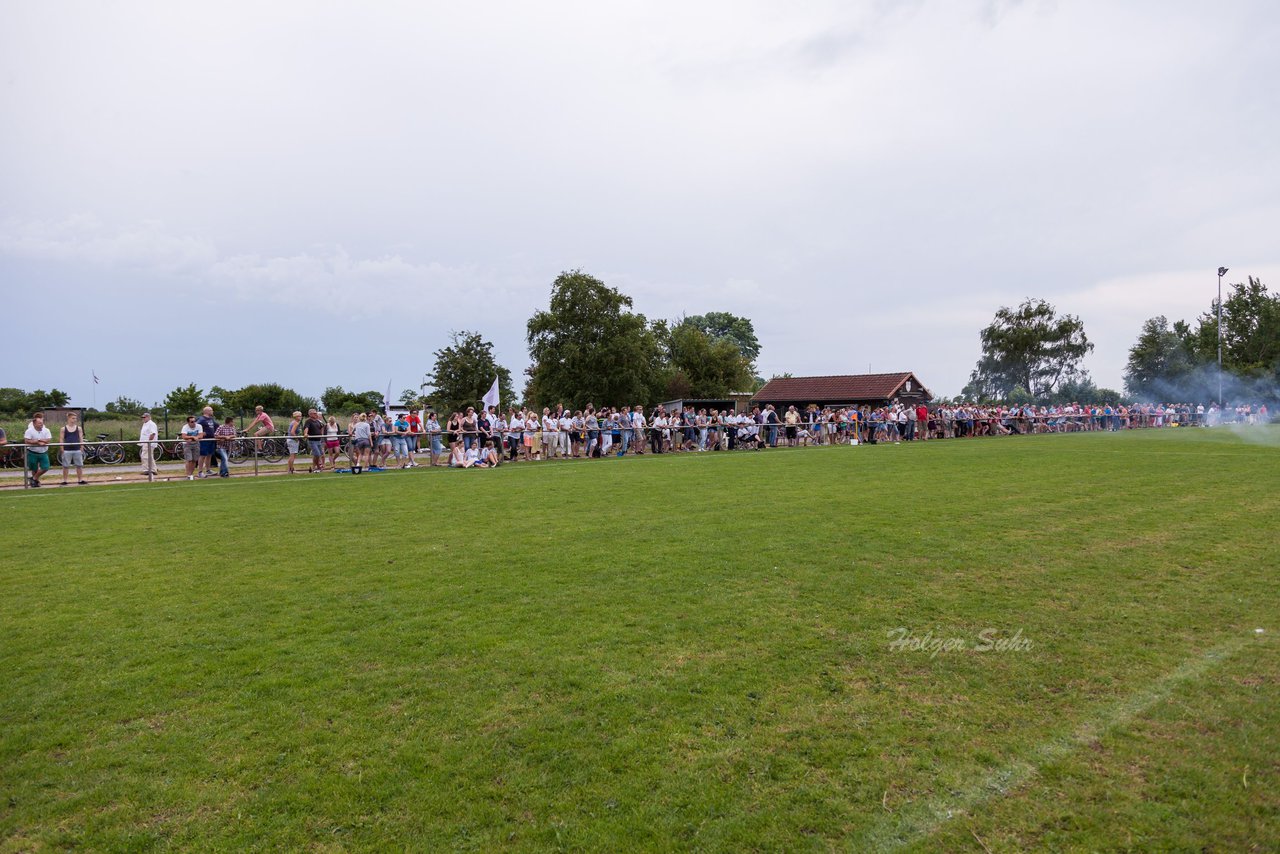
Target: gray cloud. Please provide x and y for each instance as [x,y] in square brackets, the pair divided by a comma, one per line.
[854,177]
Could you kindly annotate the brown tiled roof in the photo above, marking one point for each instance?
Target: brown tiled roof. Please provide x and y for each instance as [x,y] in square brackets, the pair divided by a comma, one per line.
[847,388]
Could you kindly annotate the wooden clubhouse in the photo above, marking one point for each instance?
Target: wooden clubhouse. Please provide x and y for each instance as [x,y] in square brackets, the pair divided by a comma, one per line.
[843,390]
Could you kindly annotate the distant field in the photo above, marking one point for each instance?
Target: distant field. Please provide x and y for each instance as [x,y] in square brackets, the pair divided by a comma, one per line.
[658,653]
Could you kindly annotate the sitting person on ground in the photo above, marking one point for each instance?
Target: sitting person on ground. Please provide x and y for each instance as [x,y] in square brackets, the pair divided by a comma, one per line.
[458,455]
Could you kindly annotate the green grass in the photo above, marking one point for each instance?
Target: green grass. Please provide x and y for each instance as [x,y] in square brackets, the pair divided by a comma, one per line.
[656,653]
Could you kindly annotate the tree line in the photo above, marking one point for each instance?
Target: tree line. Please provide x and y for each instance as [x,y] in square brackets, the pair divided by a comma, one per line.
[589,345]
[1032,353]
[1176,361]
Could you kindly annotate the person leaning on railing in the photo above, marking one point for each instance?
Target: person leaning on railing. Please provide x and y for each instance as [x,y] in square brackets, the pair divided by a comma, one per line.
[314,429]
[292,434]
[37,438]
[192,434]
[224,435]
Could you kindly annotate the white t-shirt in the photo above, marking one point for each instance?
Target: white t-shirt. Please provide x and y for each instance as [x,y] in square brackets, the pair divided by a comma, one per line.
[42,433]
[149,433]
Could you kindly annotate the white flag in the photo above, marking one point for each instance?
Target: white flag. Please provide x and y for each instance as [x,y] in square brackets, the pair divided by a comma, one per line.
[491,399]
[386,400]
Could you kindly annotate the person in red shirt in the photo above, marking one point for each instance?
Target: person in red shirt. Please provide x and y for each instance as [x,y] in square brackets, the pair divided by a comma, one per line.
[922,421]
[415,430]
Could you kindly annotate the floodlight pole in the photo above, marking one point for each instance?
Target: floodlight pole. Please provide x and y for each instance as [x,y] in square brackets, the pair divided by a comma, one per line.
[1222,271]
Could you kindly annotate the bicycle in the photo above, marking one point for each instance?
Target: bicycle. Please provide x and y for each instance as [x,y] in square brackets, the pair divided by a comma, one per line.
[108,454]
[11,456]
[269,449]
[169,450]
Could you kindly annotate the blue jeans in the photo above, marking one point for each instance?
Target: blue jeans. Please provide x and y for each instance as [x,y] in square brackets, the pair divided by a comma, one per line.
[221,453]
[626,440]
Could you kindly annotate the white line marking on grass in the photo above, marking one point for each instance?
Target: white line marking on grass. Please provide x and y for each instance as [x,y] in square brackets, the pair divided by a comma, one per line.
[916,822]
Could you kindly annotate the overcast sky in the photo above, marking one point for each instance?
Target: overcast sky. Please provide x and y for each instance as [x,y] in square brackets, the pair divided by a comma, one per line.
[317,193]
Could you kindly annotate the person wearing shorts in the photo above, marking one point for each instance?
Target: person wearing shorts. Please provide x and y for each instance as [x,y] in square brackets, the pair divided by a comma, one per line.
[314,429]
[400,440]
[72,438]
[361,443]
[210,426]
[292,432]
[261,425]
[433,435]
[37,438]
[332,440]
[191,433]
[382,435]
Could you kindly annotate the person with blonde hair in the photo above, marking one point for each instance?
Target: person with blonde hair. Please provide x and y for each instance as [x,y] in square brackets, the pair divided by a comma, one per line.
[361,442]
[332,440]
[72,439]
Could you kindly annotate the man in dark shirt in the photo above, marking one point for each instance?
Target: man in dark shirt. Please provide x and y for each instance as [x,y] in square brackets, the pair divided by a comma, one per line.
[209,425]
[313,429]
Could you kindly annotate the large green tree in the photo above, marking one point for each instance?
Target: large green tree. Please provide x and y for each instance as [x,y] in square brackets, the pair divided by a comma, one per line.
[464,372]
[1030,346]
[338,400]
[126,406]
[723,326]
[16,400]
[702,366]
[272,397]
[41,399]
[185,400]
[1250,331]
[1177,362]
[1160,359]
[588,346]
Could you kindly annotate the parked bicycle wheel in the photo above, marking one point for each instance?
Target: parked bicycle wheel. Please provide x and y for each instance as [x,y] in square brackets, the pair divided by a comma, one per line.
[273,450]
[103,452]
[240,450]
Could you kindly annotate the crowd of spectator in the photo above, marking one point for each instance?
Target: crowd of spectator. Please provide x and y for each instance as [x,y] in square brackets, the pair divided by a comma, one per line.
[373,441]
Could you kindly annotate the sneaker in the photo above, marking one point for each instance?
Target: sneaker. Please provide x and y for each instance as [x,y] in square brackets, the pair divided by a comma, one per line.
[83,482]
[191,477]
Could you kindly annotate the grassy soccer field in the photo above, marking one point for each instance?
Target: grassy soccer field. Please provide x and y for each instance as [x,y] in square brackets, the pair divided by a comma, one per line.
[676,652]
